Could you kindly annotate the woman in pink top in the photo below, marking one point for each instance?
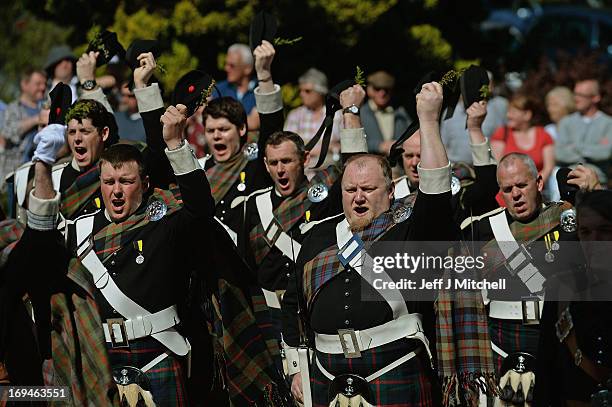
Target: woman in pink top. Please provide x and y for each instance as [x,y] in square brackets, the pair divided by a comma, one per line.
[522,136]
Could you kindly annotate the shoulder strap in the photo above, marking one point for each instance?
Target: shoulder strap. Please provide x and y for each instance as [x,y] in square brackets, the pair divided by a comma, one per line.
[273,230]
[22,175]
[348,245]
[56,175]
[468,221]
[518,260]
[402,189]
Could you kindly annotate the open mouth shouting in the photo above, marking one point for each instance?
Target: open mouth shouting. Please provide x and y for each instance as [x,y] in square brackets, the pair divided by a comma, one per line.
[80,154]
[118,205]
[283,184]
[360,210]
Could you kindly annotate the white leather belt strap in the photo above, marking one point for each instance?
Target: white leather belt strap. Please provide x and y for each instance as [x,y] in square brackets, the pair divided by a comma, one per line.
[518,259]
[377,373]
[203,160]
[233,235]
[123,304]
[402,190]
[393,296]
[407,326]
[514,310]
[271,299]
[304,360]
[147,325]
[498,350]
[56,176]
[21,183]
[283,242]
[84,228]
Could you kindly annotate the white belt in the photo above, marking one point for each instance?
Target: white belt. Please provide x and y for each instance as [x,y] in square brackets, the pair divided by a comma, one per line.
[142,326]
[514,310]
[403,327]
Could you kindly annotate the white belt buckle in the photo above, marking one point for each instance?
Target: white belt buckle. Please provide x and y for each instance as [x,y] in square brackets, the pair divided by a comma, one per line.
[536,310]
[117,333]
[350,350]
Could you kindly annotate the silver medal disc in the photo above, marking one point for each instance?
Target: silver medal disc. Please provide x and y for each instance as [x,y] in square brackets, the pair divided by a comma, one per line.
[549,257]
[401,213]
[317,193]
[241,187]
[156,210]
[568,220]
[251,151]
[455,185]
[555,246]
[140,259]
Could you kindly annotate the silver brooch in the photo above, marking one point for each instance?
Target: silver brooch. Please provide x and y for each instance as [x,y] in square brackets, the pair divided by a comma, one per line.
[568,220]
[455,185]
[251,151]
[140,259]
[317,193]
[549,257]
[401,213]
[156,210]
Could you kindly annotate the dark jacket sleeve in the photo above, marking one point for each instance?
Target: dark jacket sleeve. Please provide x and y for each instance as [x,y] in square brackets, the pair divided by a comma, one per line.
[480,196]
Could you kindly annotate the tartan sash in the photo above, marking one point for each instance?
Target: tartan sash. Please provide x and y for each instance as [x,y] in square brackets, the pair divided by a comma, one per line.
[80,192]
[326,264]
[525,233]
[290,211]
[222,176]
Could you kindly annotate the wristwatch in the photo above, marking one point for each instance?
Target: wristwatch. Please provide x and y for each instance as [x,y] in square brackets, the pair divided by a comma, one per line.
[354,109]
[89,84]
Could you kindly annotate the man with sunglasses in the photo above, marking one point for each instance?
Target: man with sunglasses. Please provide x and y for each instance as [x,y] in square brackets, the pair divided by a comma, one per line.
[382,122]
[586,135]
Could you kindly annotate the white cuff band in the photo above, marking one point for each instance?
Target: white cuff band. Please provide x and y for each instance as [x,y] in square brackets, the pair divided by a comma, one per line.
[435,180]
[482,154]
[269,102]
[183,160]
[353,141]
[99,96]
[42,213]
[149,98]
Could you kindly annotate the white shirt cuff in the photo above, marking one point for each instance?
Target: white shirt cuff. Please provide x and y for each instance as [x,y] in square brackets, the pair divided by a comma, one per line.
[353,141]
[99,96]
[269,102]
[434,180]
[42,213]
[149,98]
[482,154]
[183,160]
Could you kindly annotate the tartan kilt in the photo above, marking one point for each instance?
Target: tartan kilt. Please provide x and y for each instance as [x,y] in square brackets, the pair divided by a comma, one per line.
[269,323]
[512,336]
[408,385]
[167,378]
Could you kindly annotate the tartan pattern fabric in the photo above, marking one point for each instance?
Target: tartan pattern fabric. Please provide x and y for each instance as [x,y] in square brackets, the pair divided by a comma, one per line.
[463,346]
[167,378]
[81,191]
[513,336]
[290,211]
[246,364]
[408,385]
[526,233]
[326,264]
[222,176]
[10,231]
[79,353]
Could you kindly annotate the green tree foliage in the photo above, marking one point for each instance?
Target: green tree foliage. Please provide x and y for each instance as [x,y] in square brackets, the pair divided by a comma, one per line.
[408,38]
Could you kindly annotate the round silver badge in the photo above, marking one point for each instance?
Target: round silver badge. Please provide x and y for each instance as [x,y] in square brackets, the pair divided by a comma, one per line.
[317,193]
[555,246]
[568,220]
[140,259]
[549,257]
[251,151]
[455,185]
[401,213]
[156,210]
[241,187]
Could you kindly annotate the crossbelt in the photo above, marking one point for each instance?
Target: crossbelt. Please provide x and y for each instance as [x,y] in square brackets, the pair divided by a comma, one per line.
[273,298]
[146,325]
[513,310]
[377,373]
[405,326]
